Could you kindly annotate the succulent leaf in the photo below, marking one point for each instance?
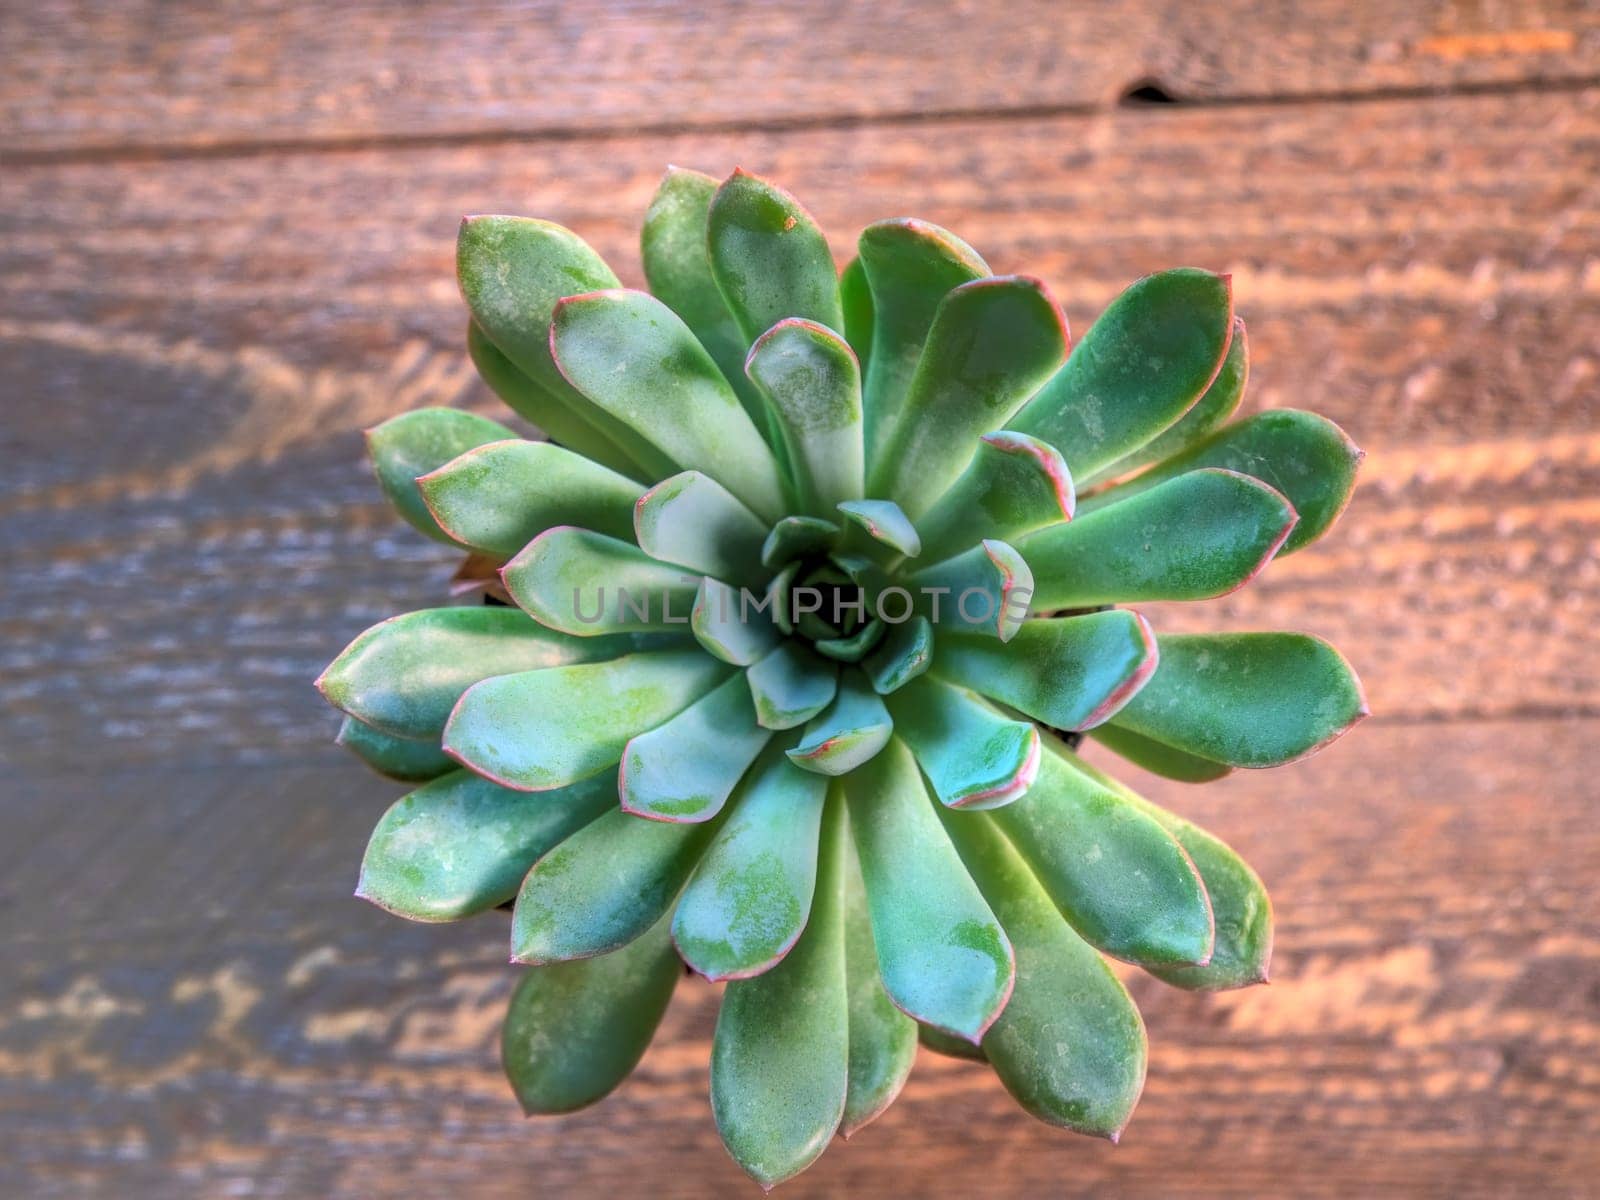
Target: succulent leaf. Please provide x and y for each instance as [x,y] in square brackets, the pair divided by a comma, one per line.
[1200,534]
[409,760]
[1157,757]
[1141,366]
[853,728]
[855,298]
[885,523]
[797,537]
[909,266]
[685,768]
[780,1055]
[992,344]
[791,685]
[1068,672]
[987,589]
[461,845]
[1306,457]
[905,653]
[1247,699]
[404,675]
[951,1047]
[1014,485]
[856,646]
[575,1030]
[1121,880]
[414,443]
[730,626]
[943,957]
[1070,1046]
[695,522]
[587,584]
[973,756]
[751,894]
[538,730]
[498,497]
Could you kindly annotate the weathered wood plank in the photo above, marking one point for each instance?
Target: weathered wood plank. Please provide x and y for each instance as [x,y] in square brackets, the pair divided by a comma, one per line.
[96,77]
[205,1009]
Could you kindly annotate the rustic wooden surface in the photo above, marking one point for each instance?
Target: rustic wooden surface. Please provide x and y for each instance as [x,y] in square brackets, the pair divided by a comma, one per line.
[225,241]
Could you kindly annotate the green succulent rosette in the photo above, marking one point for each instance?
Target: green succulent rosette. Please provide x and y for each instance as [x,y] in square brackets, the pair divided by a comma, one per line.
[808,600]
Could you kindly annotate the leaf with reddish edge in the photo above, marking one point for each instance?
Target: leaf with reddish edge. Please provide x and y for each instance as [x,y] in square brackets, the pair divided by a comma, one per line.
[636,360]
[985,590]
[769,258]
[1242,911]
[1220,402]
[686,768]
[1306,457]
[909,267]
[414,443]
[884,523]
[498,497]
[791,685]
[905,653]
[695,522]
[1142,365]
[944,959]
[1247,699]
[552,414]
[812,383]
[883,1040]
[951,1047]
[749,897]
[855,298]
[1202,534]
[575,1030]
[677,266]
[1068,672]
[780,1054]
[727,623]
[992,344]
[1070,1046]
[604,886]
[461,845]
[404,675]
[848,732]
[408,760]
[1014,485]
[974,757]
[539,730]
[587,584]
[1157,757]
[1116,874]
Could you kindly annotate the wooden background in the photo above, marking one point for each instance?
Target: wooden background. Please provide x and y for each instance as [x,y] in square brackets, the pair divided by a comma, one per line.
[225,246]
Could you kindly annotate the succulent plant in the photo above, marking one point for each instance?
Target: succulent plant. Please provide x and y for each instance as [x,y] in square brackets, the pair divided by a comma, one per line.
[804,608]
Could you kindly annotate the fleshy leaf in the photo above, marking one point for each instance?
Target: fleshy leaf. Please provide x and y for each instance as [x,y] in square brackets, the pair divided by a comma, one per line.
[791,685]
[750,895]
[986,590]
[586,584]
[909,266]
[685,769]
[729,623]
[1201,534]
[855,297]
[972,755]
[812,383]
[1070,1046]
[694,521]
[905,653]
[848,732]
[461,845]
[769,258]
[544,729]
[856,646]
[992,344]
[1306,457]
[884,523]
[404,675]
[1247,699]
[604,886]
[575,1030]
[796,537]
[500,496]
[951,1047]
[944,958]
[1014,485]
[409,760]
[1069,672]
[1117,875]
[1142,365]
[636,360]
[780,1055]
[1157,757]
[416,442]
[883,1040]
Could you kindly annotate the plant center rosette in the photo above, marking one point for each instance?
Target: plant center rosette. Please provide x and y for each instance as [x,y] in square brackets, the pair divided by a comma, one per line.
[812,573]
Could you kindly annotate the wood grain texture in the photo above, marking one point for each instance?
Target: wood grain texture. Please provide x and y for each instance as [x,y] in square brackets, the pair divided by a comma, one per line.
[93,76]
